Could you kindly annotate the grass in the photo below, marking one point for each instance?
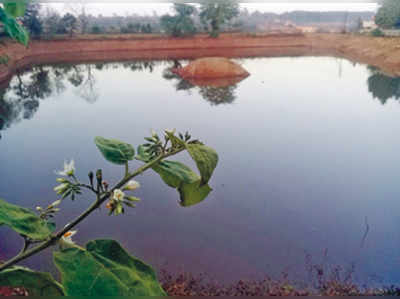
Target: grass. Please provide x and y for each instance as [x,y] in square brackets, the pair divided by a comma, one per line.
[324,280]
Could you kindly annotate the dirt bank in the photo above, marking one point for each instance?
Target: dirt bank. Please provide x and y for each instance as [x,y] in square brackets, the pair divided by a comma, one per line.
[380,52]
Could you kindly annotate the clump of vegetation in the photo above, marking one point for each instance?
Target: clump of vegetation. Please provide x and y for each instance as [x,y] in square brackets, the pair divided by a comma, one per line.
[97,30]
[214,14]
[377,33]
[322,284]
[388,15]
[182,23]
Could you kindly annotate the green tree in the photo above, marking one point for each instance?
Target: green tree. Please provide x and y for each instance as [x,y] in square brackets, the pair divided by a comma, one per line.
[388,15]
[96,29]
[32,21]
[180,24]
[50,23]
[68,24]
[213,14]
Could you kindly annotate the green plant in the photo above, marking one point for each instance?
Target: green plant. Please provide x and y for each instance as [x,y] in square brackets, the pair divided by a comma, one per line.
[181,24]
[8,14]
[377,33]
[214,14]
[388,15]
[117,273]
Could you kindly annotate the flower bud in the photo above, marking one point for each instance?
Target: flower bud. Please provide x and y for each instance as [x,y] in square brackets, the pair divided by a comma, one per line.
[60,189]
[54,204]
[132,198]
[132,185]
[170,132]
[99,177]
[91,176]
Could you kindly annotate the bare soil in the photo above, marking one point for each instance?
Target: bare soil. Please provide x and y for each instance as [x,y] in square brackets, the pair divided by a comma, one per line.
[383,53]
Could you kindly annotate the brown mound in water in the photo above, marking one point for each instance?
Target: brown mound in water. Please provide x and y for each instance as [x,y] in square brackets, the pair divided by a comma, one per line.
[213,67]
[216,82]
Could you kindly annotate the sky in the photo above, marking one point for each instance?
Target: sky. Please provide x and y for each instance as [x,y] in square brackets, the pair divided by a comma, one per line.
[131,7]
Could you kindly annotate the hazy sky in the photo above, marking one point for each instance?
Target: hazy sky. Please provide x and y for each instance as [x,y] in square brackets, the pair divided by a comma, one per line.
[123,8]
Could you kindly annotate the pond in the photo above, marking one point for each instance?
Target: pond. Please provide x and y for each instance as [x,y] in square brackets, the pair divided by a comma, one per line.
[309,163]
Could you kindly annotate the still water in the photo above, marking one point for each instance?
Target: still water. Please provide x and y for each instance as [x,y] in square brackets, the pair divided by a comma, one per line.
[309,163]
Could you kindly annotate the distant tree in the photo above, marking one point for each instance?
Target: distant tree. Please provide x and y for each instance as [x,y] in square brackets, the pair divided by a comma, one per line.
[96,29]
[50,23]
[68,24]
[359,25]
[32,21]
[180,24]
[388,15]
[78,9]
[146,28]
[214,14]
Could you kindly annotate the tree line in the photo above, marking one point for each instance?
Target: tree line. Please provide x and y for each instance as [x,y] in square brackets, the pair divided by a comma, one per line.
[210,17]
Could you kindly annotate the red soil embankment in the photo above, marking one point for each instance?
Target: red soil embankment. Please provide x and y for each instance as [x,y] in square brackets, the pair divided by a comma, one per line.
[380,52]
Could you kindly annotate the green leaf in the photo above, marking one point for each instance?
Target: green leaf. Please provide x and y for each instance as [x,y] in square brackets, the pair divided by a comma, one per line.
[13,28]
[36,283]
[15,8]
[105,269]
[181,177]
[24,221]
[175,173]
[115,151]
[142,155]
[206,160]
[192,194]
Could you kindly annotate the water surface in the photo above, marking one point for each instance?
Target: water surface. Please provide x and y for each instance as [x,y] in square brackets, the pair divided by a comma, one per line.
[309,158]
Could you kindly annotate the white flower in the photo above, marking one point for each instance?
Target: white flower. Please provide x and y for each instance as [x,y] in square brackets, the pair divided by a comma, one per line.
[69,169]
[39,209]
[67,237]
[118,195]
[132,185]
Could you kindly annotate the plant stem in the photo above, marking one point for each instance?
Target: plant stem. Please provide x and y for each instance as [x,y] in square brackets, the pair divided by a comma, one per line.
[100,200]
[126,169]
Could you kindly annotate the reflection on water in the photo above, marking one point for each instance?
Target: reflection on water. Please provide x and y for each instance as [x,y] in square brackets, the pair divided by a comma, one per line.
[306,156]
[215,91]
[21,100]
[383,87]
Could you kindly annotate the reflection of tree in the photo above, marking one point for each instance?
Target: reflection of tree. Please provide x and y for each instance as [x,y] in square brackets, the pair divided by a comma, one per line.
[384,87]
[218,91]
[180,84]
[21,99]
[88,90]
[140,65]
[218,95]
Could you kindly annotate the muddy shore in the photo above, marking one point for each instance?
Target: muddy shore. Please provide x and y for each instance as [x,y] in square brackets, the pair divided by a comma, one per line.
[383,53]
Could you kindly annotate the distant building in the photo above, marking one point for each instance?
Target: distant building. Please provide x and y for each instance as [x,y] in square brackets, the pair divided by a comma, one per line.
[369,25]
[307,29]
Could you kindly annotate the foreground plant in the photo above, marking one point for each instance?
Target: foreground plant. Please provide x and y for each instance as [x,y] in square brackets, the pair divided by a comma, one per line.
[103,267]
[11,10]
